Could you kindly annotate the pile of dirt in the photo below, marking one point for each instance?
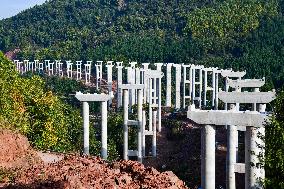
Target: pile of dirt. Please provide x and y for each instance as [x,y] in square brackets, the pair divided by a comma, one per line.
[22,167]
[88,172]
[15,151]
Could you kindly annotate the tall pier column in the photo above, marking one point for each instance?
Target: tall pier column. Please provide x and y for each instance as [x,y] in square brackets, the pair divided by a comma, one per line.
[154,137]
[86,121]
[208,157]
[232,142]
[193,85]
[169,85]
[254,147]
[159,96]
[109,67]
[125,126]
[78,70]
[99,73]
[143,133]
[140,115]
[205,88]
[104,129]
[178,81]
[119,67]
[217,91]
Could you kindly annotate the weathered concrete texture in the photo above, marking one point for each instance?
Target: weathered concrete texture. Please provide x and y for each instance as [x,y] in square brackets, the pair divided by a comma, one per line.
[208,157]
[223,117]
[245,83]
[254,148]
[178,82]
[131,86]
[247,97]
[169,85]
[232,74]
[92,97]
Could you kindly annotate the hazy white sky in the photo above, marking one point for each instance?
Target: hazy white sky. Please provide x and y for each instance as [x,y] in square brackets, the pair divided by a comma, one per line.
[10,8]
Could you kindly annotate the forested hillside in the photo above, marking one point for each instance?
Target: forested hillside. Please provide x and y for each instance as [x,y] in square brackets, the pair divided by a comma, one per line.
[245,35]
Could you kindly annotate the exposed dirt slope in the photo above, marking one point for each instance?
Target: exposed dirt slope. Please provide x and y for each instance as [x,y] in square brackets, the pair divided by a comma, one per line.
[15,151]
[20,168]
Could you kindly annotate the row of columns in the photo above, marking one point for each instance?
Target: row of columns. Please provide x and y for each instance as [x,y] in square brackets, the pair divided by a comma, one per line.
[193,90]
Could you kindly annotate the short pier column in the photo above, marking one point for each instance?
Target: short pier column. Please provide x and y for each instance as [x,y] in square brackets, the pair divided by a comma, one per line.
[125,125]
[103,98]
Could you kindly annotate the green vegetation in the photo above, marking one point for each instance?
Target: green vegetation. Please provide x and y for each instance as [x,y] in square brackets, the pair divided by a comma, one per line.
[25,105]
[274,138]
[42,109]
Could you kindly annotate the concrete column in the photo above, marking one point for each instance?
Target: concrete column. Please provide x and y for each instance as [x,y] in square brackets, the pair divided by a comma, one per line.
[150,103]
[178,80]
[143,133]
[159,96]
[254,108]
[119,82]
[60,69]
[26,65]
[254,147]
[190,78]
[254,170]
[140,106]
[205,89]
[69,69]
[109,67]
[208,158]
[50,68]
[227,90]
[145,68]
[88,71]
[200,87]
[155,96]
[79,70]
[86,122]
[169,85]
[214,88]
[125,126]
[193,86]
[184,85]
[99,72]
[160,106]
[132,77]
[216,91]
[131,80]
[46,65]
[238,104]
[104,130]
[137,76]
[232,134]
[40,67]
[154,137]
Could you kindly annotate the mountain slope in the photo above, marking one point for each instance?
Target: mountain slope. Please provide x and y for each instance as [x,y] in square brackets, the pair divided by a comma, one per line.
[232,33]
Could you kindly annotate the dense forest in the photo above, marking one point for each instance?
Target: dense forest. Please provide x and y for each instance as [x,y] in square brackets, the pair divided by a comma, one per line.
[245,35]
